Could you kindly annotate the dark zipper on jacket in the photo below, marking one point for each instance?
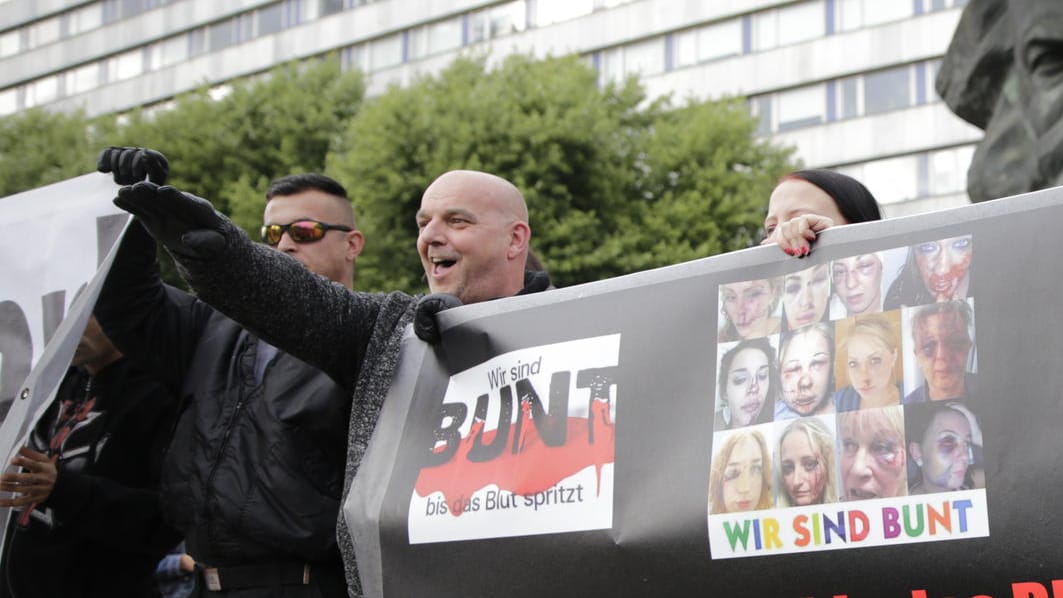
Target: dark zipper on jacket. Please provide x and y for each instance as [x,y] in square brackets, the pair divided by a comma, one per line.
[232,421]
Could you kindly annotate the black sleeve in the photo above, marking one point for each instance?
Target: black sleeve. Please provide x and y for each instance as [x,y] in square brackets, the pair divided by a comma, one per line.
[153,324]
[275,297]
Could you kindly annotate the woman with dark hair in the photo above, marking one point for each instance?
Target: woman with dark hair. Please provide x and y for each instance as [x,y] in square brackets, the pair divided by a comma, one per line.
[935,271]
[943,441]
[806,202]
[747,385]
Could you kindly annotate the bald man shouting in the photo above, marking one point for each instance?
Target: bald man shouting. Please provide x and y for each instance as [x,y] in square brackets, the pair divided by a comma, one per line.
[473,242]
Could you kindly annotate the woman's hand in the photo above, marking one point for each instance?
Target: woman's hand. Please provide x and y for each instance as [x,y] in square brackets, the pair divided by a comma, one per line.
[795,236]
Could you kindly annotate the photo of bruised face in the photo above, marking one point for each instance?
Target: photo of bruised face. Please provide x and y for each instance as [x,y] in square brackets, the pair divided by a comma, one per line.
[740,478]
[942,347]
[858,283]
[945,266]
[747,309]
[805,296]
[944,452]
[806,464]
[872,453]
[747,381]
[805,364]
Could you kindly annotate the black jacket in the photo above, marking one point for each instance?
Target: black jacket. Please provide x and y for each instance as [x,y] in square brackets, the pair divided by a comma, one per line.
[255,470]
[101,531]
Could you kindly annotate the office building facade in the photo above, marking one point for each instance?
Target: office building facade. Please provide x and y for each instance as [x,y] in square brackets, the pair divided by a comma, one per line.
[848,83]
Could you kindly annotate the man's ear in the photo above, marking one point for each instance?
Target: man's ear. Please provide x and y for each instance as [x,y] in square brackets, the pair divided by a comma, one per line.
[355,244]
[519,236]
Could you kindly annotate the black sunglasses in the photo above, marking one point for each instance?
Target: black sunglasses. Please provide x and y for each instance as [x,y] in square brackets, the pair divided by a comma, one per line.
[300,231]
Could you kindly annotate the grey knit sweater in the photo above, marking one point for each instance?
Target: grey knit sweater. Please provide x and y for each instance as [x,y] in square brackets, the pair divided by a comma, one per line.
[353,337]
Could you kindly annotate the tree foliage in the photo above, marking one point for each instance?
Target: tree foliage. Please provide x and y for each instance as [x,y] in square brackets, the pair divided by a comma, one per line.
[38,148]
[615,182]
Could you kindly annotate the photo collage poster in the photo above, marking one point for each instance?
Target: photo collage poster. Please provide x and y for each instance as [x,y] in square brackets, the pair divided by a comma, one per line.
[846,408]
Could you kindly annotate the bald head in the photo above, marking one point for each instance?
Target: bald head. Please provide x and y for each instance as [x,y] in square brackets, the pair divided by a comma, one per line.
[505,196]
[473,235]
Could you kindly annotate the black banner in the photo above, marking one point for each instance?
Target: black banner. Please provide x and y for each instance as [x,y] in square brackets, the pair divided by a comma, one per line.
[879,419]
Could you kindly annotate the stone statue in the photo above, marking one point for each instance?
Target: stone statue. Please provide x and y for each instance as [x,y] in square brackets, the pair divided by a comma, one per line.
[1003,73]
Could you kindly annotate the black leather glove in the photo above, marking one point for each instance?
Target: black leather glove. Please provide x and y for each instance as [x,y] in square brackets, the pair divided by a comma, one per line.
[185,224]
[131,164]
[424,319]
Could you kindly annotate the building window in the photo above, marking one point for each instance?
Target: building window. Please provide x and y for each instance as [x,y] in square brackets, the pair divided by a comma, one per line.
[892,180]
[790,25]
[329,7]
[948,170]
[497,21]
[197,42]
[434,38]
[270,19]
[220,36]
[762,111]
[355,57]
[167,52]
[802,22]
[8,101]
[83,79]
[804,107]
[610,65]
[849,97]
[855,14]
[645,58]
[10,43]
[42,32]
[708,43]
[84,19]
[385,52]
[42,91]
[293,14]
[125,66]
[546,12]
[887,90]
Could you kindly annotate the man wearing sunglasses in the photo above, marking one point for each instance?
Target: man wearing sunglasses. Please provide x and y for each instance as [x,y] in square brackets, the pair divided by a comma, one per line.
[472,238]
[254,473]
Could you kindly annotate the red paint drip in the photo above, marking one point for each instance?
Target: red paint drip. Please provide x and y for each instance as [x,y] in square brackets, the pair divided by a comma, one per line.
[534,468]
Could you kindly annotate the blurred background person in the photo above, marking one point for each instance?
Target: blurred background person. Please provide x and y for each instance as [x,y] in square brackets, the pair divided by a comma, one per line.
[88,520]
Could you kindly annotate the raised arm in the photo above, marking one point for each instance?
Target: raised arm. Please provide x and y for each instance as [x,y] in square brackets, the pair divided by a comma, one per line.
[267,292]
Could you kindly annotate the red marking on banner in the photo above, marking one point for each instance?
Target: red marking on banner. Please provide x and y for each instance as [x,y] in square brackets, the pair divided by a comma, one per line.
[535,468]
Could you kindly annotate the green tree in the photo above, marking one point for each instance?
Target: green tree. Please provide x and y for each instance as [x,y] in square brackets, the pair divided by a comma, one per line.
[39,147]
[614,182]
[228,149]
